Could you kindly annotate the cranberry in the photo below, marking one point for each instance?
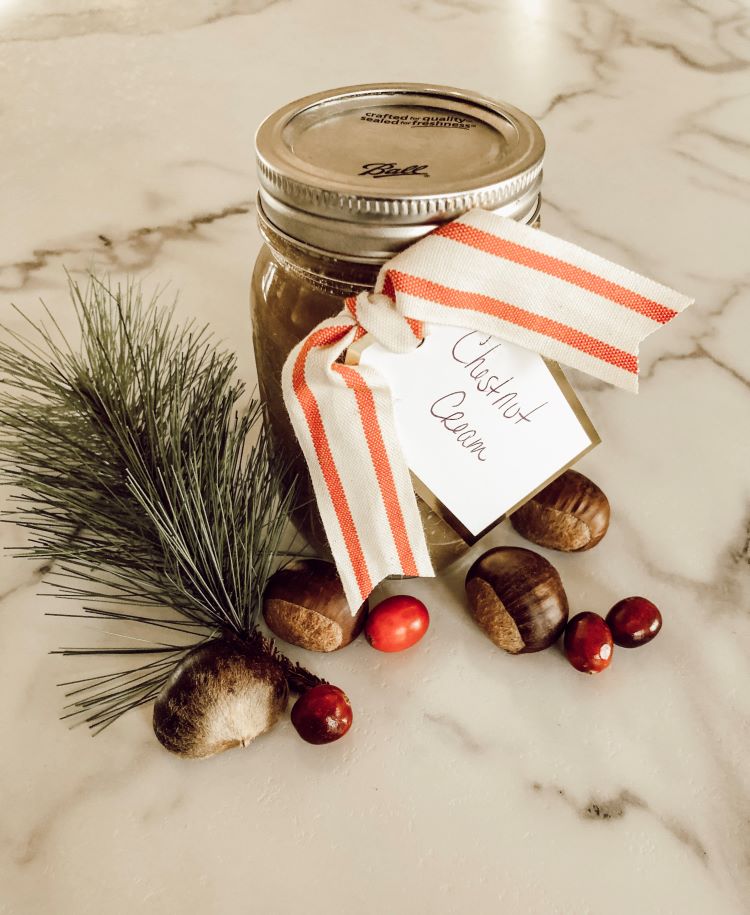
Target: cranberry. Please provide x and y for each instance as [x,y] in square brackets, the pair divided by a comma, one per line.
[634,621]
[322,714]
[397,623]
[588,643]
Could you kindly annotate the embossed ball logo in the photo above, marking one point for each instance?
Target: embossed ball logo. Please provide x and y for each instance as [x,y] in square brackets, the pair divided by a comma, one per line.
[392,170]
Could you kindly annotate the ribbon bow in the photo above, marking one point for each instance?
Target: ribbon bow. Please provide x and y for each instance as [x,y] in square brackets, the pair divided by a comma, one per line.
[482,272]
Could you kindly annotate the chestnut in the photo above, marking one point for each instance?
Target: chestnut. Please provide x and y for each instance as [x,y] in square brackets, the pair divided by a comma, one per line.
[571,514]
[304,604]
[222,695]
[517,598]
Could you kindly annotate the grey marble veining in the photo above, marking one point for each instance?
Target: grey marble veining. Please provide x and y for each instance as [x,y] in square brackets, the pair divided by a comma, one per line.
[45,21]
[141,246]
[472,781]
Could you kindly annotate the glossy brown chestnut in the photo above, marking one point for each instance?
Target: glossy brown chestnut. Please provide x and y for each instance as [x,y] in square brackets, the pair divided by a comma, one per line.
[304,604]
[634,621]
[571,514]
[517,598]
[322,714]
[588,643]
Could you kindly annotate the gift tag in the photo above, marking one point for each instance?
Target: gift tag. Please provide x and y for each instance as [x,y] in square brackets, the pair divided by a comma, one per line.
[483,424]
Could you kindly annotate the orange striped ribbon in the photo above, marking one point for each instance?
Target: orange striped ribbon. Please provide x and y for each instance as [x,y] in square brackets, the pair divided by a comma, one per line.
[481,272]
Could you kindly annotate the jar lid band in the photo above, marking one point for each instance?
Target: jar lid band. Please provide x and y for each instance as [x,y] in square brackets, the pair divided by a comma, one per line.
[367,170]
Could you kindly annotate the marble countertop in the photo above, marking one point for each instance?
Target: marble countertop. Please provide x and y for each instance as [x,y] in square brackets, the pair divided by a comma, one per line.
[473,781]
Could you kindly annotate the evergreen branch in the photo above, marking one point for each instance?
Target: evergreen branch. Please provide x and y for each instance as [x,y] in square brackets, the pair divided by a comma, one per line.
[142,480]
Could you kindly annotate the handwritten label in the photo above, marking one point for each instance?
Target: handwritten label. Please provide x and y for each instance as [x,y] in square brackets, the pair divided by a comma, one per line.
[483,423]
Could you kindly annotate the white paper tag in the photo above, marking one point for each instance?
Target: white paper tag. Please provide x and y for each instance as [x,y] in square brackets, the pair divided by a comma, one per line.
[483,423]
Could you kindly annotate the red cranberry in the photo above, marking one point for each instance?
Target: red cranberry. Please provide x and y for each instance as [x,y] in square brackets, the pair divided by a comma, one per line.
[322,714]
[588,643]
[634,621]
[397,623]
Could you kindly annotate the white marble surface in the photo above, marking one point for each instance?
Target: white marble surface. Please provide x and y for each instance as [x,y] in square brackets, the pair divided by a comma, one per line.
[473,781]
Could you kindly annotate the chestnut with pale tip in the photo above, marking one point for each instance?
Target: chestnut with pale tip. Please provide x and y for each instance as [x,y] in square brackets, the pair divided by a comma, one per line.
[571,514]
[517,598]
[304,604]
[222,695]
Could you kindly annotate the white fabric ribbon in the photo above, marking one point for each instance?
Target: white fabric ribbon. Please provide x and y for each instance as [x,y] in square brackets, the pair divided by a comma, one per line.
[482,272]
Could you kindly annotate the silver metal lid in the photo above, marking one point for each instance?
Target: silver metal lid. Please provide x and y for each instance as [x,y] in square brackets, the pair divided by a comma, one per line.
[364,171]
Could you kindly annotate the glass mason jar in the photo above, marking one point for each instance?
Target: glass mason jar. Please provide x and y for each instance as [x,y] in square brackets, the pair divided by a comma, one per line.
[347,179]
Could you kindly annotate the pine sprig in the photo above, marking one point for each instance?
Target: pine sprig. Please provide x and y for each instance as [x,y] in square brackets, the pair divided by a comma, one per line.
[140,478]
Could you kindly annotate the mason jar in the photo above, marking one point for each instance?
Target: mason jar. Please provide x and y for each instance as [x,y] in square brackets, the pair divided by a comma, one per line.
[348,178]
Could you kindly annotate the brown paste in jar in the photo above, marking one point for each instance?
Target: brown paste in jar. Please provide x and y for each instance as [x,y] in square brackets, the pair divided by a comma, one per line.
[293,290]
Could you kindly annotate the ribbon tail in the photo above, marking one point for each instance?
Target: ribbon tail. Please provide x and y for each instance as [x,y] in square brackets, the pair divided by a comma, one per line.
[512,281]
[343,418]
